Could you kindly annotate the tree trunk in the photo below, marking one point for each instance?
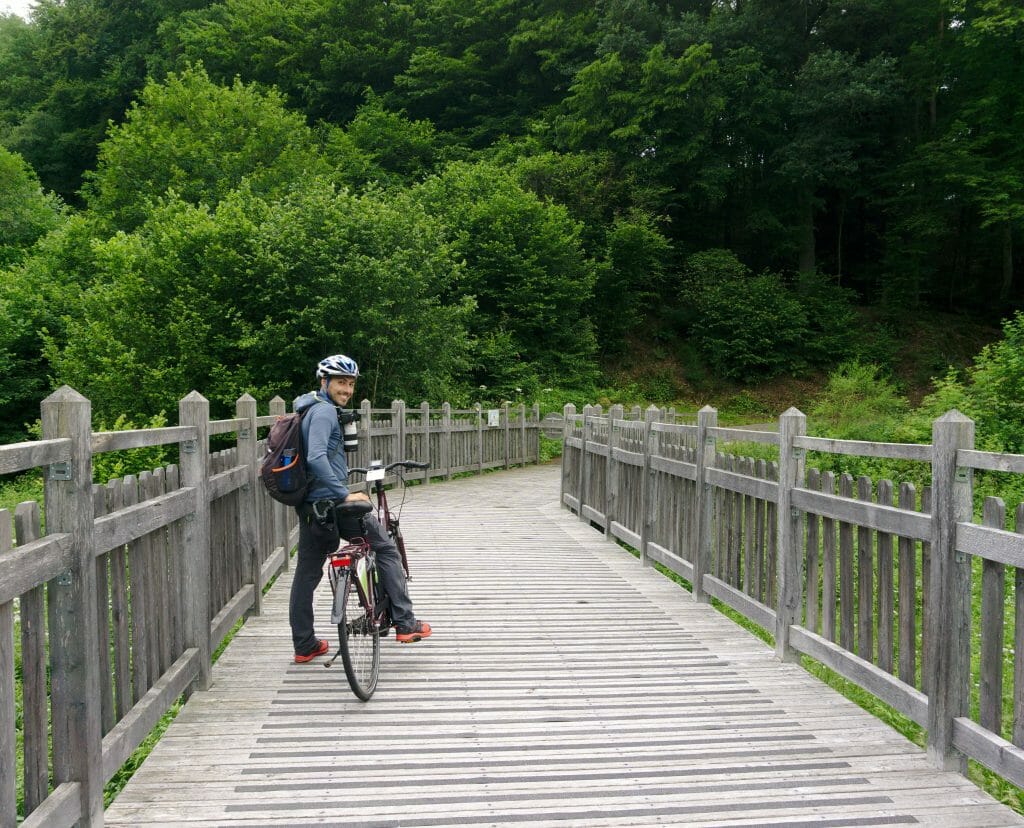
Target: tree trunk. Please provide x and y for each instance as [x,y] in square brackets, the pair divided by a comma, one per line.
[1007,286]
[807,260]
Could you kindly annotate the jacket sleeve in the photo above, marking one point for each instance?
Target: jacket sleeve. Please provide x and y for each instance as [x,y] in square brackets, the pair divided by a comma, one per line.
[321,422]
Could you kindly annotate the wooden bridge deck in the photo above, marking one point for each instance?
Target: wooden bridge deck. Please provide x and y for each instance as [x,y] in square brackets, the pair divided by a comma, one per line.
[564,685]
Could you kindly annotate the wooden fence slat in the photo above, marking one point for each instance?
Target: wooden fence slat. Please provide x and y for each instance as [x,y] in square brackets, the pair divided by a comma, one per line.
[119,610]
[865,579]
[8,769]
[103,628]
[993,591]
[846,574]
[908,594]
[813,523]
[886,598]
[35,721]
[828,565]
[1018,642]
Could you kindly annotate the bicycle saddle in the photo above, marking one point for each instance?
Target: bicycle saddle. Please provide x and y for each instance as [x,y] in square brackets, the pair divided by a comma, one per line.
[353,508]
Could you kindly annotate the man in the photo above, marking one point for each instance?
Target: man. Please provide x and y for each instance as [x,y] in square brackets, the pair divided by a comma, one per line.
[325,462]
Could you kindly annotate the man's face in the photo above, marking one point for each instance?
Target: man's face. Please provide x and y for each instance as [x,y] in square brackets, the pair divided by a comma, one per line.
[341,389]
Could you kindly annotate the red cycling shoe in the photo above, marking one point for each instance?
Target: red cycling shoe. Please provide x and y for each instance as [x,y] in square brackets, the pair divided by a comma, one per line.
[419,631]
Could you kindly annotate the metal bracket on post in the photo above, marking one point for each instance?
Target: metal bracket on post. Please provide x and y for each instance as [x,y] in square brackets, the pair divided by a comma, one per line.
[244,434]
[60,470]
[64,579]
[189,446]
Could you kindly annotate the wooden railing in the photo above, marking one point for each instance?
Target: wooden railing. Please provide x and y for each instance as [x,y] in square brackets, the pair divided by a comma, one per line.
[873,580]
[119,605]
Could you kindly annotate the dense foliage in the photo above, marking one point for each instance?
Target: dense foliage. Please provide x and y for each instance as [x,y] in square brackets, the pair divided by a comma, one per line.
[496,193]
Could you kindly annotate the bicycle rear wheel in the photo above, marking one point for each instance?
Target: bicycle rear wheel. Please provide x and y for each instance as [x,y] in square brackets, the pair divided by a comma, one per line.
[359,640]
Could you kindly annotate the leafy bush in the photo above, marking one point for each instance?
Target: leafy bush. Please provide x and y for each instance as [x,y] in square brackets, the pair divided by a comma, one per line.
[859,403]
[751,328]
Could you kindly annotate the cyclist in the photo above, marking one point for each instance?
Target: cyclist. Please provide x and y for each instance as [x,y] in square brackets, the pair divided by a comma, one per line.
[325,462]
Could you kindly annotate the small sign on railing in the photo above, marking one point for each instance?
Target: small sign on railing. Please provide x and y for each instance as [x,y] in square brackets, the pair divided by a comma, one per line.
[493,417]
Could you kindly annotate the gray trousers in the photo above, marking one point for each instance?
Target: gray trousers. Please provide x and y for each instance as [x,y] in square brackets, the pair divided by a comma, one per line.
[315,543]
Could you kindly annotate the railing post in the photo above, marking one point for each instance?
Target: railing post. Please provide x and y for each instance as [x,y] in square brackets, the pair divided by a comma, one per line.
[949,638]
[398,422]
[73,615]
[522,434]
[365,451]
[791,474]
[505,411]
[249,530]
[535,414]
[194,463]
[568,417]
[425,416]
[277,409]
[611,474]
[479,437]
[704,504]
[446,446]
[585,463]
[647,494]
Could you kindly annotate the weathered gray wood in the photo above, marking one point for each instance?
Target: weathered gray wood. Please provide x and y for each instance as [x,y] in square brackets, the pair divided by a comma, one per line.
[910,702]
[811,568]
[138,438]
[225,482]
[611,477]
[132,729]
[33,668]
[71,602]
[846,572]
[707,419]
[665,712]
[949,655]
[990,749]
[908,594]
[8,775]
[993,591]
[742,435]
[865,580]
[62,808]
[148,557]
[194,410]
[17,457]
[754,610]
[119,610]
[737,482]
[133,522]
[867,515]
[792,424]
[648,498]
[1018,643]
[990,543]
[34,563]
[863,448]
[220,426]
[990,461]
[886,597]
[249,527]
[828,565]
[103,624]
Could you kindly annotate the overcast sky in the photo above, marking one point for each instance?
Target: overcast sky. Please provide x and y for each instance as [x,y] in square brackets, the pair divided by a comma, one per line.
[16,6]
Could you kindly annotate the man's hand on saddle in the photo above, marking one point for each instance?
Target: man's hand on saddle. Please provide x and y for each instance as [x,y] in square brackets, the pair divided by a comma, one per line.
[356,496]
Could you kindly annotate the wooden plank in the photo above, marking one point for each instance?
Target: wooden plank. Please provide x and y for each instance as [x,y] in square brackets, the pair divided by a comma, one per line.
[742,435]
[16,457]
[811,565]
[991,750]
[863,448]
[676,468]
[868,515]
[754,610]
[731,481]
[35,722]
[846,571]
[908,595]
[225,482]
[119,610]
[990,461]
[886,599]
[61,809]
[133,522]
[993,591]
[34,563]
[990,543]
[664,713]
[103,627]
[103,441]
[865,580]
[828,565]
[1017,734]
[8,774]
[227,426]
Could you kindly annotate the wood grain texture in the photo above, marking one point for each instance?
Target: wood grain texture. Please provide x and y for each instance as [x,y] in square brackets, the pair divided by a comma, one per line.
[565,684]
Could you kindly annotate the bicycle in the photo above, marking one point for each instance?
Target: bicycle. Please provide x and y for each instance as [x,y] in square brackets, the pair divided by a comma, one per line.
[359,606]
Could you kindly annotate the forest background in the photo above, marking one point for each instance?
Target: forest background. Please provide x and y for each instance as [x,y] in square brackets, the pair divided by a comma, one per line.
[526,200]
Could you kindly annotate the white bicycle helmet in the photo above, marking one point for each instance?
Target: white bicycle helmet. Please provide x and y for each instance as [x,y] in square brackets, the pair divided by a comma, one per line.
[338,365]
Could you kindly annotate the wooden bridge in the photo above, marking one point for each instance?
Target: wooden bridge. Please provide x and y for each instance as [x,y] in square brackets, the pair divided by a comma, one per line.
[565,684]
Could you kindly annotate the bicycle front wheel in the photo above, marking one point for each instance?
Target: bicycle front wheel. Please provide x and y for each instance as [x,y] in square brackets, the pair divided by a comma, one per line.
[359,639]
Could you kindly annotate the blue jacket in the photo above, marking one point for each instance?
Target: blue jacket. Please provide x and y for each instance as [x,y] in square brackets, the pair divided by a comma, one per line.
[325,452]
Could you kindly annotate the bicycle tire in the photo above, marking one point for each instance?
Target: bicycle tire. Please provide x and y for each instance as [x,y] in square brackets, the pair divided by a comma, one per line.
[360,642]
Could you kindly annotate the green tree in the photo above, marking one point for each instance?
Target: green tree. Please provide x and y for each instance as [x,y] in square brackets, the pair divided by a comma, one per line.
[247,296]
[198,140]
[26,211]
[525,269]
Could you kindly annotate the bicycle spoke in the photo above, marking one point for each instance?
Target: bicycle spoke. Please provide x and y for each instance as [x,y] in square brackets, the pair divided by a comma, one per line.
[360,643]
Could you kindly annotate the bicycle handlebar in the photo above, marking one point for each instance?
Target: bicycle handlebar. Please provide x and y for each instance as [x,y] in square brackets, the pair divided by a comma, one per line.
[408,464]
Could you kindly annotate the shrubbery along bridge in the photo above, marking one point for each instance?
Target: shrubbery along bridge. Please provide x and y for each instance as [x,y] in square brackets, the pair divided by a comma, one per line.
[137,582]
